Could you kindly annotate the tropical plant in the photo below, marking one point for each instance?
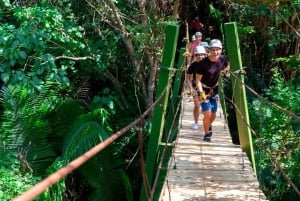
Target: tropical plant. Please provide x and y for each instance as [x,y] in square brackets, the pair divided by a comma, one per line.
[278,134]
[38,44]
[47,132]
[269,38]
[12,181]
[129,36]
[52,76]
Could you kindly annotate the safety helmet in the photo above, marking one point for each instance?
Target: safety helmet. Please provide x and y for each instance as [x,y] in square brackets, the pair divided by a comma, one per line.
[193,38]
[204,44]
[216,43]
[200,50]
[198,34]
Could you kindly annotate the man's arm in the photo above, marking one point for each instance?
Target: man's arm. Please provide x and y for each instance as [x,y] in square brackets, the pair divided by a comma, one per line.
[226,71]
[199,86]
[189,82]
[198,82]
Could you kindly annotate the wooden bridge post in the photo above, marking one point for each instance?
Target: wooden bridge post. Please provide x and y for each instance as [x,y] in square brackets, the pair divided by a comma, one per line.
[159,112]
[239,92]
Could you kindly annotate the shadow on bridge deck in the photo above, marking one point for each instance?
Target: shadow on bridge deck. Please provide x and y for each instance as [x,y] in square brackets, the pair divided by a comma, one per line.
[216,170]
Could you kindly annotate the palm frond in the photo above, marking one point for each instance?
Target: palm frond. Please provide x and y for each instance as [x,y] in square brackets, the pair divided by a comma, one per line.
[104,171]
[27,125]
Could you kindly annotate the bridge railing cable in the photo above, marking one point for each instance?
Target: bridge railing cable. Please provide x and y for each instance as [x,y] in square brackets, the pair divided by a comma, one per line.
[165,149]
[261,144]
[292,114]
[43,185]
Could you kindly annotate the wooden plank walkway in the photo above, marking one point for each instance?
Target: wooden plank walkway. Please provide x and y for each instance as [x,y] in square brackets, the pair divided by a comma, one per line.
[216,170]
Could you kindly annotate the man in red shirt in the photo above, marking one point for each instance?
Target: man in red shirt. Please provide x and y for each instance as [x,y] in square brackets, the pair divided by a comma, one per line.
[196,25]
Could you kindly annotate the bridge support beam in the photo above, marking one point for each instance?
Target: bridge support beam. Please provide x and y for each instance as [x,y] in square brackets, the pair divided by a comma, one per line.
[170,129]
[239,92]
[159,112]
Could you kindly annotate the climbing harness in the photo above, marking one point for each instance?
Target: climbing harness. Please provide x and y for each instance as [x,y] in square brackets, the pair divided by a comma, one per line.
[211,89]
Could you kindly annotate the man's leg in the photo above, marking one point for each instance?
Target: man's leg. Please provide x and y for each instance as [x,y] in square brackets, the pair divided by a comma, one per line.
[214,108]
[209,108]
[196,112]
[206,121]
[206,108]
[212,119]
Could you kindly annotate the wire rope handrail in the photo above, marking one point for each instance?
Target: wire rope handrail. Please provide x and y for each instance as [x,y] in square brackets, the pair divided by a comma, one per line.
[273,159]
[150,191]
[277,164]
[265,100]
[43,185]
[164,152]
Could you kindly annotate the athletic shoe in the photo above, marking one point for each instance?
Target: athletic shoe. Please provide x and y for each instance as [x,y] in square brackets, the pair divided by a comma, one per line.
[195,126]
[207,137]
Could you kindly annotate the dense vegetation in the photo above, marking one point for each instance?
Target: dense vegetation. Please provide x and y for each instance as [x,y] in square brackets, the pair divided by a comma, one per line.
[75,71]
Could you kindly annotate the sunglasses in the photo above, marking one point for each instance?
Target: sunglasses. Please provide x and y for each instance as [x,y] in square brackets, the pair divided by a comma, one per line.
[200,55]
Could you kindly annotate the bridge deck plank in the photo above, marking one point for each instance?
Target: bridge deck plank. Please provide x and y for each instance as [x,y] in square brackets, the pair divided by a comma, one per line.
[216,170]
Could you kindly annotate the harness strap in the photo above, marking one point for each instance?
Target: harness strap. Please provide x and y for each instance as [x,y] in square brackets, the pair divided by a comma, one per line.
[211,89]
[207,87]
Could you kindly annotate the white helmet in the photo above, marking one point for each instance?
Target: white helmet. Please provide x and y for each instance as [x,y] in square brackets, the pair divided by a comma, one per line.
[216,43]
[200,50]
[198,34]
[204,44]
[193,37]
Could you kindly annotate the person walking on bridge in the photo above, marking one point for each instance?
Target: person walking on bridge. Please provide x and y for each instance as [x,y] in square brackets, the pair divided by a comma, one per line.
[207,75]
[192,47]
[200,54]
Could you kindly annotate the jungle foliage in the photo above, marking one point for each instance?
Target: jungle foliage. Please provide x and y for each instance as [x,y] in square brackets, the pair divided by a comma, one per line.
[269,41]
[75,71]
[72,73]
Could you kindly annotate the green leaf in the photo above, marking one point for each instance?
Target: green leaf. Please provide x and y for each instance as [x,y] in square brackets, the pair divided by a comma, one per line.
[22,54]
[5,77]
[274,42]
[18,77]
[12,61]
[39,70]
[3,67]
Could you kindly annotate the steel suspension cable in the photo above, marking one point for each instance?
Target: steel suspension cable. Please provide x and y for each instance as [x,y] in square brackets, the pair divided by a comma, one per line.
[164,152]
[265,100]
[273,159]
[43,185]
[179,106]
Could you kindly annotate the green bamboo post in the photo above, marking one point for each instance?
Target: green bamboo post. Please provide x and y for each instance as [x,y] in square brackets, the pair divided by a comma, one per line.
[172,119]
[174,99]
[170,44]
[239,92]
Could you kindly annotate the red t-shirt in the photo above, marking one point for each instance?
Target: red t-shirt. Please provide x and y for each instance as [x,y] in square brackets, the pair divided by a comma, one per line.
[196,25]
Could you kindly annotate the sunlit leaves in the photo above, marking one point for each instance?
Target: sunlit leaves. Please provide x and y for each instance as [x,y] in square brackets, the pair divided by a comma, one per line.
[30,44]
[278,135]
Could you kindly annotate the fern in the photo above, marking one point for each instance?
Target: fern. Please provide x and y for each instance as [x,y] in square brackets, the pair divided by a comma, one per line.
[104,171]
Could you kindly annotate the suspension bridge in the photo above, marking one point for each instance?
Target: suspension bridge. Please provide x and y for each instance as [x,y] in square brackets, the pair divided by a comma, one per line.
[217,170]
[178,164]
